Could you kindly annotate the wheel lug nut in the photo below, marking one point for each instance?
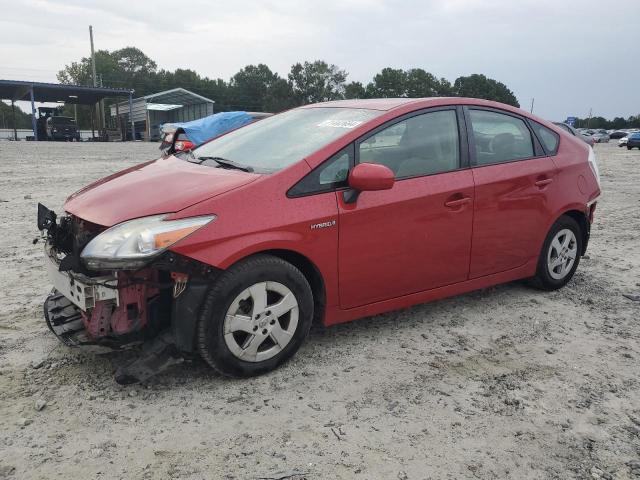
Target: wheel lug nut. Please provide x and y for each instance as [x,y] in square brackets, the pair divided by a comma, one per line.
[255,328]
[264,332]
[272,322]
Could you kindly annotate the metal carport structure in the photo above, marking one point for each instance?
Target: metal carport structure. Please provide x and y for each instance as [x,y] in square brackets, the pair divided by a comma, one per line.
[175,105]
[19,90]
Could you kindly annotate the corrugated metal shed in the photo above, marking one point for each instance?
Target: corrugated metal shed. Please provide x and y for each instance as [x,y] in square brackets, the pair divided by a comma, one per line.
[175,105]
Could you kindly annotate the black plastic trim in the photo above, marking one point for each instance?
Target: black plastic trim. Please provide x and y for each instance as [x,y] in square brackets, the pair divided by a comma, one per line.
[329,187]
[185,312]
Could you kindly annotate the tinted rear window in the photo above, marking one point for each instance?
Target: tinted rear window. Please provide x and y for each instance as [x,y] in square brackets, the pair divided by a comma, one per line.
[499,137]
[549,139]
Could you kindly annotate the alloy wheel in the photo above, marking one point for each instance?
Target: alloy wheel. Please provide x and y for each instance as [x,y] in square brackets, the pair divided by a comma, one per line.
[261,321]
[562,254]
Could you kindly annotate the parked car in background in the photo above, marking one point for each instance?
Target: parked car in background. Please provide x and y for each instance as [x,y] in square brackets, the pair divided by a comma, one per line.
[601,136]
[62,128]
[633,140]
[588,139]
[179,137]
[622,142]
[327,212]
[616,134]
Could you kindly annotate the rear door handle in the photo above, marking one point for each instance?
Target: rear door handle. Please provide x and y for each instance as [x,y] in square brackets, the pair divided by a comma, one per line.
[457,202]
[544,182]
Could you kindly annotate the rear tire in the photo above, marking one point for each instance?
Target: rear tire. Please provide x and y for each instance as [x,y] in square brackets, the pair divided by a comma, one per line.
[560,255]
[255,317]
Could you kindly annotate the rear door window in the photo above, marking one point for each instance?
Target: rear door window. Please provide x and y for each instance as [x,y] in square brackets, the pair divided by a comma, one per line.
[500,137]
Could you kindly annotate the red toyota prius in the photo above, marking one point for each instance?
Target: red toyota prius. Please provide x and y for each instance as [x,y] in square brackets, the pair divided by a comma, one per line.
[327,212]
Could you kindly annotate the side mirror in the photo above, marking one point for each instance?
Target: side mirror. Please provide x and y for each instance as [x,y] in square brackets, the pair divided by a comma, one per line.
[368,177]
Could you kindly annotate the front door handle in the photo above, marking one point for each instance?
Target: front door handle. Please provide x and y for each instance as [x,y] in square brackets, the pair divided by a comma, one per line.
[544,182]
[457,202]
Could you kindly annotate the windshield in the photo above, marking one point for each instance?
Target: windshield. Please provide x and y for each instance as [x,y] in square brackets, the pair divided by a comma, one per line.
[276,142]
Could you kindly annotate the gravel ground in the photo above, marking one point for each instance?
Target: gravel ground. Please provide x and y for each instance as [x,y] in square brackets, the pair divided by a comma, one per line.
[506,382]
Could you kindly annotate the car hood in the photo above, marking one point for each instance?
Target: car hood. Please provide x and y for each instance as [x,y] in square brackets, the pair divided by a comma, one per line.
[165,185]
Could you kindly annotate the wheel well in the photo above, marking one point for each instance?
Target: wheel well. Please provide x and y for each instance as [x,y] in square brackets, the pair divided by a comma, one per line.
[311,273]
[585,226]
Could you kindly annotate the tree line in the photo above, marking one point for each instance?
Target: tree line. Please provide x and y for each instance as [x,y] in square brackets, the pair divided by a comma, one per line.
[258,88]
[617,123]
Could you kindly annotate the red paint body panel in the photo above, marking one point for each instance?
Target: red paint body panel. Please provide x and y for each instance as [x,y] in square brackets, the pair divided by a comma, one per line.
[511,213]
[391,248]
[335,315]
[265,219]
[404,240]
[162,186]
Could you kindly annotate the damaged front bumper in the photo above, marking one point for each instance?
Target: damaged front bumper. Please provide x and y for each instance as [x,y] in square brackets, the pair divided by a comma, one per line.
[84,292]
[156,306]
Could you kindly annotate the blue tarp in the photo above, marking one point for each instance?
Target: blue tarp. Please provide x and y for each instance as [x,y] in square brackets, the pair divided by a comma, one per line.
[203,129]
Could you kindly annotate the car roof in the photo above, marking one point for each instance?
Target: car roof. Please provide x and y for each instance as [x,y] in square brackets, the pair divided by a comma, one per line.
[385,104]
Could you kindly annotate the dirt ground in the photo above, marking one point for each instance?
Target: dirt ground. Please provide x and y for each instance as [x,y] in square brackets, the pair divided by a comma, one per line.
[507,382]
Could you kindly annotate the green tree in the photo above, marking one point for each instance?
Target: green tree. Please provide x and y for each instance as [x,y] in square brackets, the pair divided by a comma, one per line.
[479,86]
[23,120]
[317,82]
[354,90]
[419,83]
[389,83]
[279,96]
[257,88]
[250,86]
[446,89]
[134,61]
[618,123]
[125,68]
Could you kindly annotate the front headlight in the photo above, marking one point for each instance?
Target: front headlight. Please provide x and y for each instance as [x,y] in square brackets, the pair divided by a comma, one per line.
[133,243]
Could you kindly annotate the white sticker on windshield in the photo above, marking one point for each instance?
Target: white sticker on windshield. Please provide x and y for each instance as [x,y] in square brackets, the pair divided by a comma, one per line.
[340,123]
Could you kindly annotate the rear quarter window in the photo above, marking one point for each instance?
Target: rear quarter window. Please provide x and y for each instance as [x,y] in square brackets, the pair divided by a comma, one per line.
[550,140]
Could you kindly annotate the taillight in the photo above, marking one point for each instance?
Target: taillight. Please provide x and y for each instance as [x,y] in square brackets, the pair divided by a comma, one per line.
[594,166]
[182,145]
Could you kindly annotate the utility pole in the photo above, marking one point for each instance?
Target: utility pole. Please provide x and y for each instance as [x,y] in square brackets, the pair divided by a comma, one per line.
[103,121]
[93,71]
[532,100]
[589,119]
[13,114]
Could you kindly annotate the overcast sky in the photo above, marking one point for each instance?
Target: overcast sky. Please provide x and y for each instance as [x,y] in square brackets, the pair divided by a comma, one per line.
[570,55]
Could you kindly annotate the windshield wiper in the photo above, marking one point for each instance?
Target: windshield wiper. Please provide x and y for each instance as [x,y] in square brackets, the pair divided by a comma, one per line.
[226,163]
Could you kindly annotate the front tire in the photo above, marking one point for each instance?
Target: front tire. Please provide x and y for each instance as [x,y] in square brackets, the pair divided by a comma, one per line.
[255,317]
[560,255]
